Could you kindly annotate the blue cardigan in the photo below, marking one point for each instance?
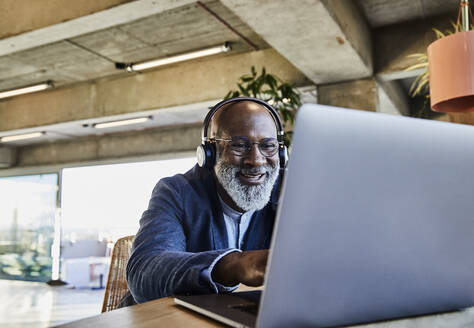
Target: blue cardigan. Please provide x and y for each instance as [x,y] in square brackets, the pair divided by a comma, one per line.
[182,232]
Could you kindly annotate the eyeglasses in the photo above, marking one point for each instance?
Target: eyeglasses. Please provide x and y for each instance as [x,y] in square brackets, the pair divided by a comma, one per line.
[241,146]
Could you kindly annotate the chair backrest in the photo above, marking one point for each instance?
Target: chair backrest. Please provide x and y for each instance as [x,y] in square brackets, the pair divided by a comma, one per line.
[116,282]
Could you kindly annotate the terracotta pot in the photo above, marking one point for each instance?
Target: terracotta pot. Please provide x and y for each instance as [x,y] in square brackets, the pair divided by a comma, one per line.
[451,67]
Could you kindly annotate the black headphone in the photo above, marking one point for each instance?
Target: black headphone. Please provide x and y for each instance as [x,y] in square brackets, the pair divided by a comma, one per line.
[206,151]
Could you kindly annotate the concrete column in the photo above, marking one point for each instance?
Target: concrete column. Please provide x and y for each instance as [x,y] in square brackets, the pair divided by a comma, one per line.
[369,94]
[7,157]
[463,118]
[357,94]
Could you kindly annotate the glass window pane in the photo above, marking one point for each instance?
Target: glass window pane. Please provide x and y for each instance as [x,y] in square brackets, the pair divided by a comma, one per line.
[27,212]
[105,202]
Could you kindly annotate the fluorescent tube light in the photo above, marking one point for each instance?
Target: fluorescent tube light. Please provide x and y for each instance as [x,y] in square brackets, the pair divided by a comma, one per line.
[174,59]
[121,122]
[29,89]
[22,136]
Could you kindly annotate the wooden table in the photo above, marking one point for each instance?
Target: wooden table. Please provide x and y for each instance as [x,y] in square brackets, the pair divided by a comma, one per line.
[165,313]
[159,313]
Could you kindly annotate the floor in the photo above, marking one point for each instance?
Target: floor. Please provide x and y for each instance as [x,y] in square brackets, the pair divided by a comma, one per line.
[37,305]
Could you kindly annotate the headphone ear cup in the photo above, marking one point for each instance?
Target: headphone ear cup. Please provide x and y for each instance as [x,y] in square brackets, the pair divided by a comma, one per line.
[206,155]
[283,155]
[201,155]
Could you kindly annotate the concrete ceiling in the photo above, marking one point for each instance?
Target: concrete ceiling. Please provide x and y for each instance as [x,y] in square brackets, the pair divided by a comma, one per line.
[93,55]
[189,27]
[386,12]
[328,41]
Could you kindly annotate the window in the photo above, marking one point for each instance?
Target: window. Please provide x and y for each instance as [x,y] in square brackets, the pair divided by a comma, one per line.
[99,204]
[105,202]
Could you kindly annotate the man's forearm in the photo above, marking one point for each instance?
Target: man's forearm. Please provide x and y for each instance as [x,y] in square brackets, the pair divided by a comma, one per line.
[164,273]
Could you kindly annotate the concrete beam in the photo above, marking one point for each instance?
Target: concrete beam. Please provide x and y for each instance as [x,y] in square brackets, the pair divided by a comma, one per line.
[74,27]
[181,84]
[122,145]
[392,99]
[327,40]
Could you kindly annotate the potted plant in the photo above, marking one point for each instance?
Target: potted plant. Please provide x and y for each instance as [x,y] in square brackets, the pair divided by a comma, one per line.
[449,67]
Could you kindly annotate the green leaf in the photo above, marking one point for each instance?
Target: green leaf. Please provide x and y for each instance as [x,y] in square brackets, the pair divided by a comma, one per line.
[420,82]
[272,82]
[269,92]
[419,56]
[254,72]
[417,66]
[438,33]
[414,84]
[455,26]
[421,85]
[242,90]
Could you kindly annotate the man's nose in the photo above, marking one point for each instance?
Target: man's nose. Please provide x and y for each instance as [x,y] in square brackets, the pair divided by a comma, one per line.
[254,157]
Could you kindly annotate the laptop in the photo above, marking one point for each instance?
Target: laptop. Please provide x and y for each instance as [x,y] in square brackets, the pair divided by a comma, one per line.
[375,222]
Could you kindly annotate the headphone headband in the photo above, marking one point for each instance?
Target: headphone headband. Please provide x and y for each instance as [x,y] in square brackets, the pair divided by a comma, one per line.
[271,110]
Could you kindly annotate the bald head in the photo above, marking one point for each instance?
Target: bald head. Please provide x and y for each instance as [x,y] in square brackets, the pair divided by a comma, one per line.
[242,114]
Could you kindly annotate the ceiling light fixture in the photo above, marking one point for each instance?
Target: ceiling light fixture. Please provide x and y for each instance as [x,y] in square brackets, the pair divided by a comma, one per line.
[133,67]
[121,122]
[28,89]
[24,136]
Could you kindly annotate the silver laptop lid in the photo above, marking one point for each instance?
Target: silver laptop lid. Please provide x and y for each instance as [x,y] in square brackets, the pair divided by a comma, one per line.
[376,221]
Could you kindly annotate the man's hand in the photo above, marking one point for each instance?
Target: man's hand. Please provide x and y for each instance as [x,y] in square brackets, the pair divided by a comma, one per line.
[247,268]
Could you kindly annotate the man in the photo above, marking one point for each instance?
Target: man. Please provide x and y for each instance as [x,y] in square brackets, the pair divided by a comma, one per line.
[209,230]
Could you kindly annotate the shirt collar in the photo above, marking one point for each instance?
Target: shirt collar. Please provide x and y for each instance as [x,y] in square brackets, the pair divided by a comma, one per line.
[230,212]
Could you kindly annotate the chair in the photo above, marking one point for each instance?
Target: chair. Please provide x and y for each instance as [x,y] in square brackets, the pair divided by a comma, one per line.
[116,282]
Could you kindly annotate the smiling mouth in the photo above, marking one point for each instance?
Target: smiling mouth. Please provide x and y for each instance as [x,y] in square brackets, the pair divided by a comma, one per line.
[252,178]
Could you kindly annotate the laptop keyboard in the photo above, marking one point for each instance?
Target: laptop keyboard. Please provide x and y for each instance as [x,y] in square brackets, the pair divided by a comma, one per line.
[249,308]
[251,296]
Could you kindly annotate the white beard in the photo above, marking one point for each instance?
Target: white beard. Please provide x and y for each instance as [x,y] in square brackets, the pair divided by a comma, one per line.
[247,197]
